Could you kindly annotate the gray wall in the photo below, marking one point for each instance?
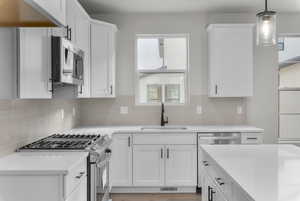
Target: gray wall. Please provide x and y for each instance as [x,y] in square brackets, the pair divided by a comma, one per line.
[22,121]
[215,111]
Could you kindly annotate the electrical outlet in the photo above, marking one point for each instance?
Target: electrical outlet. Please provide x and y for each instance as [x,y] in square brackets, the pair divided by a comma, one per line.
[74,111]
[199,109]
[239,109]
[62,113]
[123,110]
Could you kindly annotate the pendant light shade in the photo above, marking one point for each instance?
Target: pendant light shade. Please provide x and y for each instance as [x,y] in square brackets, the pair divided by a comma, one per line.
[266,27]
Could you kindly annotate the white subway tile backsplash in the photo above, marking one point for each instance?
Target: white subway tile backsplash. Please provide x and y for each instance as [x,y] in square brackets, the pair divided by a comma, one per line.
[22,121]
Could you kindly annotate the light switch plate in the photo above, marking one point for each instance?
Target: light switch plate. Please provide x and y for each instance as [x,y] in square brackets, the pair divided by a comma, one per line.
[239,109]
[123,110]
[74,111]
[199,109]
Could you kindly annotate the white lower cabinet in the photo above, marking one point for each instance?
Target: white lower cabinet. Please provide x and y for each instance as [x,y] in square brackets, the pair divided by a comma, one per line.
[80,193]
[210,191]
[140,161]
[181,165]
[148,165]
[121,167]
[164,165]
[47,185]
[216,184]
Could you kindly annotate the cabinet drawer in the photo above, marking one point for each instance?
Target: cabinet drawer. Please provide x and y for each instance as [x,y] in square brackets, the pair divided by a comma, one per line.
[75,176]
[164,139]
[220,178]
[252,138]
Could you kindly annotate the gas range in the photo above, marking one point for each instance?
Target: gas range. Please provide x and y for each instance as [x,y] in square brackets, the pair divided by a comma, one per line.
[67,142]
[98,147]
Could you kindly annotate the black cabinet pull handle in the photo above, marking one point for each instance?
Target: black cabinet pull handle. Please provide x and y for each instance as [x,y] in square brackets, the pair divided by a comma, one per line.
[208,194]
[161,153]
[251,138]
[168,153]
[129,141]
[220,182]
[70,34]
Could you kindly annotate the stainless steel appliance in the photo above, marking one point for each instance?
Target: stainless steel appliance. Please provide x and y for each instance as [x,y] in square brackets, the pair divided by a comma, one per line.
[219,138]
[67,62]
[214,139]
[98,160]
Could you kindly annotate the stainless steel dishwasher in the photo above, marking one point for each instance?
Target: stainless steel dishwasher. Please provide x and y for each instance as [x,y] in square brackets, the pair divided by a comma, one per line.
[214,139]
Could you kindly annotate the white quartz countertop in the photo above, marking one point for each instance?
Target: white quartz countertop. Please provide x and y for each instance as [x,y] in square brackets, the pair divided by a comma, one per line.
[265,172]
[189,129]
[40,162]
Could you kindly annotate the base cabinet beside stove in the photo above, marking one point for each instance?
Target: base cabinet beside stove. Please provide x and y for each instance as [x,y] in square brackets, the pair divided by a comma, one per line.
[45,185]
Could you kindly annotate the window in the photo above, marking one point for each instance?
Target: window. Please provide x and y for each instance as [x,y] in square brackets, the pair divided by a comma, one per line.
[162,64]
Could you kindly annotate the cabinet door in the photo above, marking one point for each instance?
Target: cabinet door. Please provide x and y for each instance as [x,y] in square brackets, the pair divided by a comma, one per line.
[102,60]
[71,17]
[83,42]
[210,191]
[181,165]
[34,64]
[8,63]
[54,9]
[230,60]
[80,192]
[148,165]
[121,167]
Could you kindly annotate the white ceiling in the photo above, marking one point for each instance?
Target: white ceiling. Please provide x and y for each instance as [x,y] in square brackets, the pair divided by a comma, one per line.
[125,6]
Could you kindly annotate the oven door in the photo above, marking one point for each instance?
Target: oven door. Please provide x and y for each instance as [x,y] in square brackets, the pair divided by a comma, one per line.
[100,188]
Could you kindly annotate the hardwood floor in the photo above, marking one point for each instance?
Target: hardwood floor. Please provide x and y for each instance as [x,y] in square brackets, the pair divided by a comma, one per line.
[156,197]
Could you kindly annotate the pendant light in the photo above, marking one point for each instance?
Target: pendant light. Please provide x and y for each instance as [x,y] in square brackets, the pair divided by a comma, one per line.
[266,27]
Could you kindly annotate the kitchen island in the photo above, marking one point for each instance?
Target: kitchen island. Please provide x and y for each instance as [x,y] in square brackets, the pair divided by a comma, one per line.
[251,172]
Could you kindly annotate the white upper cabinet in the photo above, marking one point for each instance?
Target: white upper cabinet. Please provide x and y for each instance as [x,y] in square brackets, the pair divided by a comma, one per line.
[230,60]
[78,22]
[103,56]
[83,42]
[53,9]
[8,63]
[34,81]
[71,16]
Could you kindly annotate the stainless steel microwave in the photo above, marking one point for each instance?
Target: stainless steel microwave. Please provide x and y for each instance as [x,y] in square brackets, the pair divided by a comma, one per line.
[67,62]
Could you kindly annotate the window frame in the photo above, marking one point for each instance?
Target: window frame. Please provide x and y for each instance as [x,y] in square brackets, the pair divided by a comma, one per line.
[186,71]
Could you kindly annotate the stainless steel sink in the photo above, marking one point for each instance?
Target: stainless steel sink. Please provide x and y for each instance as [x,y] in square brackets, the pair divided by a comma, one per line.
[164,128]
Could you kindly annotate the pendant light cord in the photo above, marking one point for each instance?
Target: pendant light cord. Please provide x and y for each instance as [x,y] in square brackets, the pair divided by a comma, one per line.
[266,5]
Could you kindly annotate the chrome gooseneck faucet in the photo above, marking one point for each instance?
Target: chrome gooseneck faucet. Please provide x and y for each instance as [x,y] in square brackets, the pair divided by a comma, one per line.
[163,120]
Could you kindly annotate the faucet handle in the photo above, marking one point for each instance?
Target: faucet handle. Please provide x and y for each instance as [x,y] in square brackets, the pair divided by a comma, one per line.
[167,120]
